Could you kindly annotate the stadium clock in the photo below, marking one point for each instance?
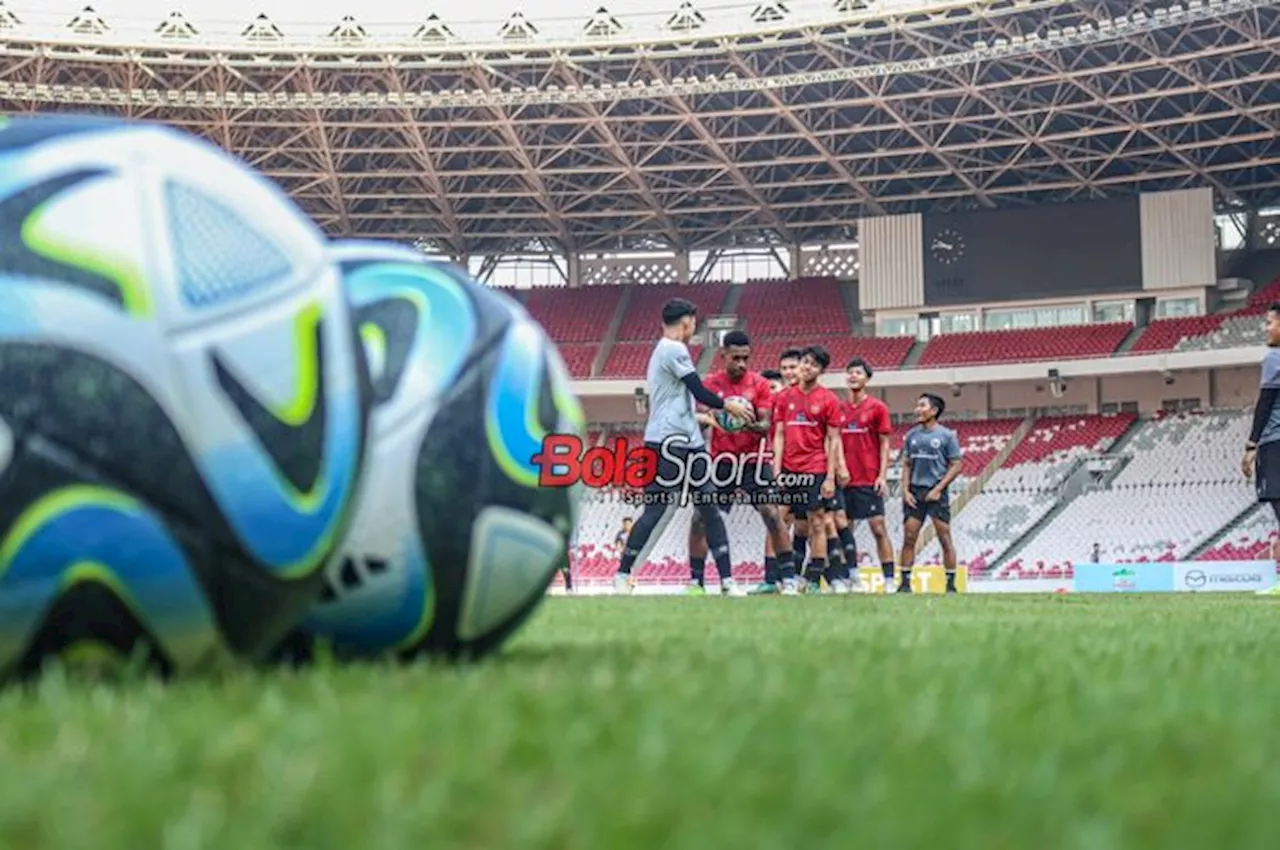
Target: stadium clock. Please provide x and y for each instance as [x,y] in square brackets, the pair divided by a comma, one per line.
[947,246]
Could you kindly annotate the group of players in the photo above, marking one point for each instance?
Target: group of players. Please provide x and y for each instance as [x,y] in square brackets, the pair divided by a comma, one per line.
[832,457]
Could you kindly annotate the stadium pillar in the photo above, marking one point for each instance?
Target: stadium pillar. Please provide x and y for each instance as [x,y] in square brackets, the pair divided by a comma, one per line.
[573,268]
[682,266]
[796,261]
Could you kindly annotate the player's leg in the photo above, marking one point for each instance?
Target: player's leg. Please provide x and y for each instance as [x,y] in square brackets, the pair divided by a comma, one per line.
[697,554]
[837,571]
[717,541]
[817,528]
[659,508]
[848,546]
[1266,478]
[940,514]
[645,532]
[912,520]
[884,546]
[943,530]
[567,571]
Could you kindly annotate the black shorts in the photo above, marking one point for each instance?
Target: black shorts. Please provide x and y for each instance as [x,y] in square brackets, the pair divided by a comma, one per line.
[756,488]
[939,511]
[862,502]
[1266,472]
[801,500]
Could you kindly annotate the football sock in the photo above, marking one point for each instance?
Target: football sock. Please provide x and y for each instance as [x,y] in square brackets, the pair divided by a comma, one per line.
[886,567]
[698,570]
[837,568]
[848,546]
[786,565]
[717,539]
[905,581]
[951,579]
[771,572]
[815,569]
[801,546]
[568,580]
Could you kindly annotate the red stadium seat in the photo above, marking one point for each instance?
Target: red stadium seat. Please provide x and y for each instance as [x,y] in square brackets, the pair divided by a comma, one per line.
[1020,346]
[574,314]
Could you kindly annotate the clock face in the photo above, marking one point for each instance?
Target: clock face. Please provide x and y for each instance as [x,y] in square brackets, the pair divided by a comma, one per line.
[947,246]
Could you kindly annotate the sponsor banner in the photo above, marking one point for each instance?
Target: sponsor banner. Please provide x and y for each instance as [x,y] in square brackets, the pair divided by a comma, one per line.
[1123,578]
[1223,576]
[1021,585]
[924,579]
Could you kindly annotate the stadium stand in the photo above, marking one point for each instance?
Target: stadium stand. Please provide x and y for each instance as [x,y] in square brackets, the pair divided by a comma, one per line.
[880,352]
[1180,487]
[1251,539]
[578,358]
[631,359]
[1016,346]
[1170,334]
[798,309]
[580,314]
[1025,488]
[642,322]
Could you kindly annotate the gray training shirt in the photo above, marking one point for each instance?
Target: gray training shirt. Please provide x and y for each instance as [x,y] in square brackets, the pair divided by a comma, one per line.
[931,452]
[671,410]
[1271,381]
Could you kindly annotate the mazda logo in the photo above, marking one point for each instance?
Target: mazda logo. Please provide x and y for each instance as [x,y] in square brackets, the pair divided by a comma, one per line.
[1196,579]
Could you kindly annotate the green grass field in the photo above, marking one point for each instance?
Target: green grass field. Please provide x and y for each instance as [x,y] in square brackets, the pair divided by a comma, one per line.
[658,723]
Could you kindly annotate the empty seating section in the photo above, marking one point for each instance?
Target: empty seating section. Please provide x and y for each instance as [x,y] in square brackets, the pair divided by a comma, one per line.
[578,314]
[1179,489]
[1018,346]
[1171,334]
[799,309]
[1237,331]
[578,357]
[631,359]
[880,352]
[1249,541]
[643,319]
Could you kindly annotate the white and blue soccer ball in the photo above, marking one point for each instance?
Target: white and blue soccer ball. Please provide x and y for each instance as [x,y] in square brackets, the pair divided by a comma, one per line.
[183,402]
[727,421]
[454,542]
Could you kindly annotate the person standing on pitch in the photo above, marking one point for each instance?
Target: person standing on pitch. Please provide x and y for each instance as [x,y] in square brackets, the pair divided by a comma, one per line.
[745,452]
[673,384]
[805,442]
[931,461]
[864,445]
[1261,460]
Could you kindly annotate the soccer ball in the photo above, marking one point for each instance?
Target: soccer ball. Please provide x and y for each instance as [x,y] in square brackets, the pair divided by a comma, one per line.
[454,542]
[728,421]
[183,401]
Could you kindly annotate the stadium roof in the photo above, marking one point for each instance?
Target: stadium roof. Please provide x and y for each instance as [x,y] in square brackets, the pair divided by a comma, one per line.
[779,123]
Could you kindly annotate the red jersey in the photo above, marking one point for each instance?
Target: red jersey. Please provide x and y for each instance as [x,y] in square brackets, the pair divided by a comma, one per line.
[754,389]
[861,426]
[805,418]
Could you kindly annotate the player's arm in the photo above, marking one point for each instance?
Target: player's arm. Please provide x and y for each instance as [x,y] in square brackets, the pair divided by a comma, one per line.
[886,433]
[842,462]
[955,460]
[1268,391]
[907,497]
[833,460]
[779,445]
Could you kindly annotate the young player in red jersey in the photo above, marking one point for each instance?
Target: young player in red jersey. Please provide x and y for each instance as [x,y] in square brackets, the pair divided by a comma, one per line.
[805,450]
[865,432]
[786,375]
[739,456]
